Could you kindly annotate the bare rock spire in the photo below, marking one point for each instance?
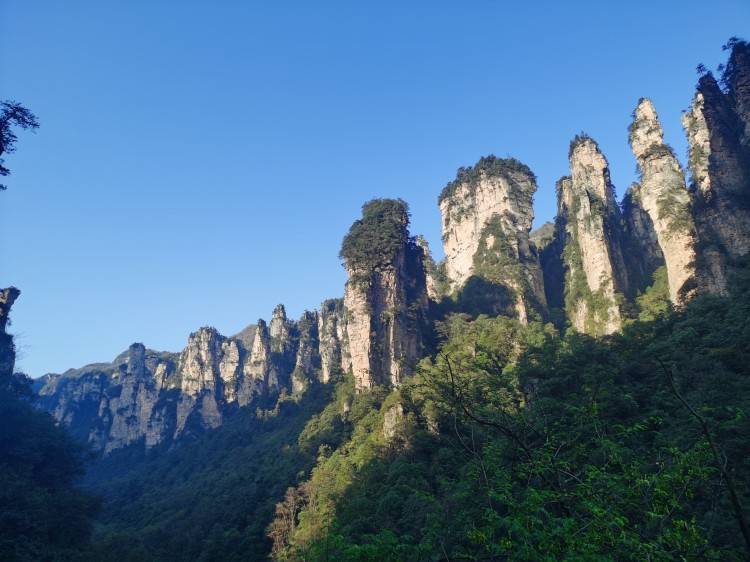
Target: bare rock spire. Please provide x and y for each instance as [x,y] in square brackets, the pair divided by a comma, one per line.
[663,194]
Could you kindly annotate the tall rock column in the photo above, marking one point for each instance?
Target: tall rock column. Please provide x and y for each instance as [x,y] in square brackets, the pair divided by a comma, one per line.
[7,348]
[737,77]
[595,268]
[719,157]
[333,348]
[385,297]
[643,255]
[260,372]
[663,194]
[200,379]
[307,361]
[486,219]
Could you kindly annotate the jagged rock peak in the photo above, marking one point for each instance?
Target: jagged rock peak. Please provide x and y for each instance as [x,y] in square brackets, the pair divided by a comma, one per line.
[487,215]
[8,296]
[199,361]
[643,254]
[663,194]
[737,78]
[334,349]
[279,321]
[595,268]
[434,276]
[136,362]
[385,296]
[719,160]
[307,361]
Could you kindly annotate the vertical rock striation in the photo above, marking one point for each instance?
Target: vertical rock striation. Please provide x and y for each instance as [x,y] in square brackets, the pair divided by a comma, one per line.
[663,194]
[332,334]
[595,276]
[385,296]
[307,361]
[643,256]
[717,129]
[151,397]
[7,348]
[486,219]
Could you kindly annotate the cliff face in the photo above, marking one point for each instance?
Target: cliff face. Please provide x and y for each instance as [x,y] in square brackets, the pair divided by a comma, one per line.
[595,277]
[643,256]
[719,158]
[663,194]
[307,361]
[486,219]
[737,76]
[7,348]
[580,269]
[334,343]
[153,397]
[386,295]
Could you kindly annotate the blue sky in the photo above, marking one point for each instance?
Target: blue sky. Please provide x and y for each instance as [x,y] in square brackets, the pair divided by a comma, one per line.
[199,162]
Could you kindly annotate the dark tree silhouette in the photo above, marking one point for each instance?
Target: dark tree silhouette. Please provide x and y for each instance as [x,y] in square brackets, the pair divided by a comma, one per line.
[12,114]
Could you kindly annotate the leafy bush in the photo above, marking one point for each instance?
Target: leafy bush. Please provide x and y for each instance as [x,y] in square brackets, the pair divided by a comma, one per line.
[487,166]
[43,514]
[374,240]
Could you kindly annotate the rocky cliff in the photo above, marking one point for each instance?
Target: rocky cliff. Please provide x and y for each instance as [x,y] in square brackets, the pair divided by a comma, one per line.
[152,397]
[385,296]
[719,159]
[334,343]
[585,270]
[643,255]
[662,194]
[595,273]
[7,348]
[486,219]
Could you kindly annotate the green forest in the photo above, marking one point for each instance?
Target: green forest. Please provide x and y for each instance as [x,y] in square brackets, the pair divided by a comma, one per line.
[511,442]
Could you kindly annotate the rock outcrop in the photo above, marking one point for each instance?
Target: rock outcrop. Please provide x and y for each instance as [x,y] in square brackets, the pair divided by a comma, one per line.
[578,271]
[434,276]
[643,255]
[332,335]
[737,78]
[385,296]
[7,348]
[486,219]
[595,271]
[307,360]
[716,125]
[152,397]
[663,194]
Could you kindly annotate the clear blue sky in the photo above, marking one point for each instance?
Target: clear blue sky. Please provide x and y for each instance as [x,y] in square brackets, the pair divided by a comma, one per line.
[199,162]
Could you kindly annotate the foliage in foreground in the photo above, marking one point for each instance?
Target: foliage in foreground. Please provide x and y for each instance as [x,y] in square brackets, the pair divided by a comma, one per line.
[43,516]
[548,448]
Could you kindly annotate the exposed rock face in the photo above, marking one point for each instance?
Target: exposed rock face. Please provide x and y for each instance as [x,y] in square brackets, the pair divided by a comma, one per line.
[486,219]
[716,126]
[151,397]
[595,275]
[434,277]
[261,374]
[664,196]
[385,297]
[549,241]
[334,345]
[307,362]
[643,256]
[7,348]
[737,76]
[391,419]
